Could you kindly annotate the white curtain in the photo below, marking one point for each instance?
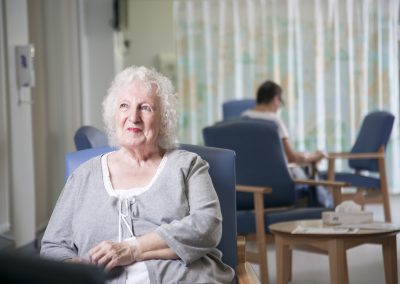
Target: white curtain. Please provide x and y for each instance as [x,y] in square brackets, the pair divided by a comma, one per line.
[336,60]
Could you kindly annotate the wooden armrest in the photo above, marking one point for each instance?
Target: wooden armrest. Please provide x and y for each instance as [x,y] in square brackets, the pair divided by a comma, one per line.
[253,189]
[246,274]
[335,184]
[297,165]
[346,155]
[244,271]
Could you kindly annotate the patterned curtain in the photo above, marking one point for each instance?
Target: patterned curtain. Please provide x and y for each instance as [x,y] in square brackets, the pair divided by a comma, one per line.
[336,60]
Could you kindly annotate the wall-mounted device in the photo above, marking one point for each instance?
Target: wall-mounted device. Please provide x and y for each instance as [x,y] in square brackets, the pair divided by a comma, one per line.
[24,61]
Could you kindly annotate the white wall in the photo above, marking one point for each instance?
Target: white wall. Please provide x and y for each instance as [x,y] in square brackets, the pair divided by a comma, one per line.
[20,129]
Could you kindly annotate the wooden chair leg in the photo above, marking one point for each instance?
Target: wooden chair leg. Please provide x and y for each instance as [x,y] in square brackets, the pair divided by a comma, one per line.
[260,232]
[384,188]
[337,197]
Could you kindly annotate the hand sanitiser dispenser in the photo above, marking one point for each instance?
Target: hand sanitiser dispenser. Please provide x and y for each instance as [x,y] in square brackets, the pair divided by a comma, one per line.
[24,61]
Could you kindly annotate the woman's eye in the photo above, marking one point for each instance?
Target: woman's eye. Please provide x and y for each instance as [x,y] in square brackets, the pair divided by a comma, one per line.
[146,107]
[123,106]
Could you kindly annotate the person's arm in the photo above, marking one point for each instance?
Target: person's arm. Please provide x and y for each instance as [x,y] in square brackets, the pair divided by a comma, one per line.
[149,246]
[198,233]
[57,241]
[299,157]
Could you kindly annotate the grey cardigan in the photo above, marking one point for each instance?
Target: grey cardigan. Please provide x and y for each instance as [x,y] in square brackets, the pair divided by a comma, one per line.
[181,206]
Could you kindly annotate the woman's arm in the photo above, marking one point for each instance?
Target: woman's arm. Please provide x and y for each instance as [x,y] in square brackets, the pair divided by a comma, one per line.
[200,231]
[150,246]
[57,241]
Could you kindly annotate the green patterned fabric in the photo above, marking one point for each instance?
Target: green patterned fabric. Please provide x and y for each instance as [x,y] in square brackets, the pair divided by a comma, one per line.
[336,61]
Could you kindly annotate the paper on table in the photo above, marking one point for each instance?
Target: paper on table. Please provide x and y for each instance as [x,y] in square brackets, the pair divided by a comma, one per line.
[372,226]
[324,230]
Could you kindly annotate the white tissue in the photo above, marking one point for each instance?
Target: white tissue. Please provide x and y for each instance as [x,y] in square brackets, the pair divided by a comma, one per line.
[348,206]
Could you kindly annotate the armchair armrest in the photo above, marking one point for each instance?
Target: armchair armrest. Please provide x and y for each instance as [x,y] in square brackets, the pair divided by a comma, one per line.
[334,184]
[253,189]
[244,271]
[347,155]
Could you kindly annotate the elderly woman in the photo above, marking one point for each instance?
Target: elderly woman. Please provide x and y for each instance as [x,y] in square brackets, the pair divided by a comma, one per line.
[147,209]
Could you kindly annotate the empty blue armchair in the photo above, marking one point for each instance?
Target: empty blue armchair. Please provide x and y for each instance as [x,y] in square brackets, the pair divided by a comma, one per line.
[235,108]
[89,137]
[222,172]
[367,156]
[263,179]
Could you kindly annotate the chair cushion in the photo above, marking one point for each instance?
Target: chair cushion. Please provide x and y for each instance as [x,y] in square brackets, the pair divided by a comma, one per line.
[355,180]
[246,223]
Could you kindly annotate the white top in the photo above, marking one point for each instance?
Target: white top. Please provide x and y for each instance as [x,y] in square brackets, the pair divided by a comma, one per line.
[282,130]
[137,272]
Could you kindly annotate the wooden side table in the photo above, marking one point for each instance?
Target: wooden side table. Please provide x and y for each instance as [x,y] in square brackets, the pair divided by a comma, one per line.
[334,245]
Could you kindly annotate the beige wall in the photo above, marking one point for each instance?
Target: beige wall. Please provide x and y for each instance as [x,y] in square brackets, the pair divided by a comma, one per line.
[4,141]
[149,31]
[19,130]
[56,113]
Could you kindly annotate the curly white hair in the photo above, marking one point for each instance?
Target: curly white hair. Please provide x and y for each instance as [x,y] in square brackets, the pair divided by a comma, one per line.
[164,90]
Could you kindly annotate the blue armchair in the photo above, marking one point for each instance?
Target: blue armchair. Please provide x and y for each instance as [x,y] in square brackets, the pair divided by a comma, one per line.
[232,109]
[222,172]
[367,156]
[263,180]
[89,137]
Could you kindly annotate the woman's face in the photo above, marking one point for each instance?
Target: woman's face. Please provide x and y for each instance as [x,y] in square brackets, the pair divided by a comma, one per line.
[138,117]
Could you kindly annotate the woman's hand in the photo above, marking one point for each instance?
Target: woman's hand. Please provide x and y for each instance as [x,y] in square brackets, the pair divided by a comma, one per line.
[110,254]
[77,260]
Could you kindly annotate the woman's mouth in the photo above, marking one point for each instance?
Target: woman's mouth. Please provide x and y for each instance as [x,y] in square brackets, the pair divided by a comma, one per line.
[134,129]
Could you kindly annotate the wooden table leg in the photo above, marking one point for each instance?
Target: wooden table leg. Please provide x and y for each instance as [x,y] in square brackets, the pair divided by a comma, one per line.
[282,253]
[337,262]
[389,249]
[288,265]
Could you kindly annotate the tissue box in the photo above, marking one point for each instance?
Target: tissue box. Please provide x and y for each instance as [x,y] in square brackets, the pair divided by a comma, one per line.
[336,218]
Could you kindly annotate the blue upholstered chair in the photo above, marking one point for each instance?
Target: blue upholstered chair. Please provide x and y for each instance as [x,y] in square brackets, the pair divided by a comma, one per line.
[367,156]
[263,180]
[232,109]
[222,172]
[89,137]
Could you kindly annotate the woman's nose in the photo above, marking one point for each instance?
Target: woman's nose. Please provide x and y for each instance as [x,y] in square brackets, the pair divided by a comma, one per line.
[134,115]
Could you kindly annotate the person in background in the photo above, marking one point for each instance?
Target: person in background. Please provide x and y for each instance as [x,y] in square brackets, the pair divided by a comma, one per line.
[147,211]
[269,100]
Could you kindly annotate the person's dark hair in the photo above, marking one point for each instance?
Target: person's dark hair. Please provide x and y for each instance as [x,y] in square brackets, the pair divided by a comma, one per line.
[267,92]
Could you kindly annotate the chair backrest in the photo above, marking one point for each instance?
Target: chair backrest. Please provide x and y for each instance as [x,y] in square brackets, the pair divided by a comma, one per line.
[232,109]
[89,137]
[222,172]
[259,158]
[374,132]
[23,268]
